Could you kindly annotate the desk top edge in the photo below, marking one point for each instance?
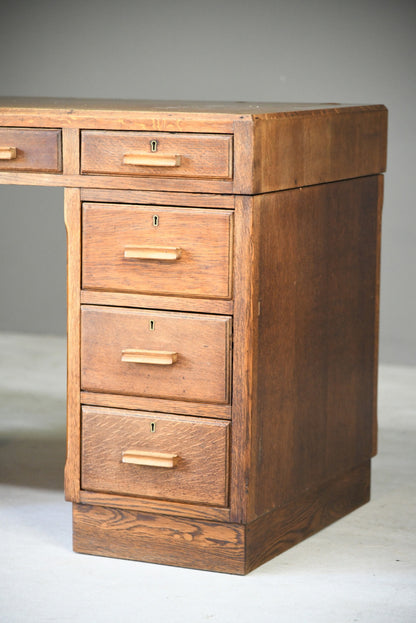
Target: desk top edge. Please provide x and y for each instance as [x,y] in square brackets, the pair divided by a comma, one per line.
[173,108]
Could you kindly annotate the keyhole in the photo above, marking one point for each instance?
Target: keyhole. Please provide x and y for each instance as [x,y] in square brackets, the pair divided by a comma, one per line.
[152,325]
[153,427]
[153,145]
[155,220]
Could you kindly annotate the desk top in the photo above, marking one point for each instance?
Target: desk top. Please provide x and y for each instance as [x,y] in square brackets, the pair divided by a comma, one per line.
[61,109]
[274,145]
[71,104]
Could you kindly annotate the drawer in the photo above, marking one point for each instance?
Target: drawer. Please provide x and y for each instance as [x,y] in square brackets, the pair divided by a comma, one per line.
[171,251]
[30,150]
[175,155]
[155,354]
[152,455]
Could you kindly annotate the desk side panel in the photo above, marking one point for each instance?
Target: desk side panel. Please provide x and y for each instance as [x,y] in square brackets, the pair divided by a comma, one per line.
[316,376]
[322,146]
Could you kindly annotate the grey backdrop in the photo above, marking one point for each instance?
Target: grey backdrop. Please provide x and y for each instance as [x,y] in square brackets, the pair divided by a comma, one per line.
[299,50]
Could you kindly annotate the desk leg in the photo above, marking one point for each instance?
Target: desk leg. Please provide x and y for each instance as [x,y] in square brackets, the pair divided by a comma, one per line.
[73,228]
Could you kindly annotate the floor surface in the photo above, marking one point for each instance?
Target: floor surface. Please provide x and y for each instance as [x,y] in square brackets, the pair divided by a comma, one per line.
[363,568]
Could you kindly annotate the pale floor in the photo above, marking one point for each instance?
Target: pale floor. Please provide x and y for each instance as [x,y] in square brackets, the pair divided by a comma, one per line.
[363,568]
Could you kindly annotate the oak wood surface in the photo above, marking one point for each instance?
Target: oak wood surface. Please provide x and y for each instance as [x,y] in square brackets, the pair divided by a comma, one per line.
[304,285]
[117,182]
[168,540]
[316,344]
[201,373]
[163,405]
[74,105]
[204,237]
[200,473]
[72,212]
[277,146]
[174,116]
[315,509]
[32,149]
[246,284]
[192,155]
[291,152]
[223,547]
[70,151]
[193,200]
[156,505]
[377,312]
[154,301]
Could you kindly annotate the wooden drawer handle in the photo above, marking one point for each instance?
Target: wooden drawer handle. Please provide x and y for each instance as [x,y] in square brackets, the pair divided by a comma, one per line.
[158,357]
[154,459]
[8,153]
[152,253]
[152,160]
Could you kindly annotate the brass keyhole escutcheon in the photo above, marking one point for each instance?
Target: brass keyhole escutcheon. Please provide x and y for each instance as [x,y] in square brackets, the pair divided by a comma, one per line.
[153,145]
[153,427]
[155,220]
[152,325]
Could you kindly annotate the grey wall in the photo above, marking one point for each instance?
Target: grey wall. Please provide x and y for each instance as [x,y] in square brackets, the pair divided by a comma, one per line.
[299,50]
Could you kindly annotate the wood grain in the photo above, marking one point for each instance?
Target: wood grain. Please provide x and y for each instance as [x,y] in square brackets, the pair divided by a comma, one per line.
[290,152]
[70,151]
[117,182]
[280,283]
[222,547]
[310,512]
[73,228]
[154,301]
[35,149]
[156,505]
[246,287]
[278,146]
[243,157]
[318,267]
[204,237]
[193,200]
[377,312]
[176,541]
[223,412]
[201,373]
[196,155]
[201,446]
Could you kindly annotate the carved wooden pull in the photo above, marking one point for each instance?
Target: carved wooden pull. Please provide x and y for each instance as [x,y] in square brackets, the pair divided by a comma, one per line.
[152,253]
[158,357]
[153,459]
[8,153]
[152,160]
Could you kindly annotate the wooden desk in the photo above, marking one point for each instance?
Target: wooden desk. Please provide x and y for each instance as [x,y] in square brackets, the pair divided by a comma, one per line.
[223,278]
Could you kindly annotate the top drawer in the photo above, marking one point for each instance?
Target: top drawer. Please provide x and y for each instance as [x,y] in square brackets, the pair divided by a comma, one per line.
[161,154]
[30,150]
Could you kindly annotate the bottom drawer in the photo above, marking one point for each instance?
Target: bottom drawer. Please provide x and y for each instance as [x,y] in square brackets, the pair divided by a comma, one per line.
[152,455]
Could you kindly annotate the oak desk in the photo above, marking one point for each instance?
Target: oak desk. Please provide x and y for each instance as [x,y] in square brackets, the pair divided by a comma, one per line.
[223,277]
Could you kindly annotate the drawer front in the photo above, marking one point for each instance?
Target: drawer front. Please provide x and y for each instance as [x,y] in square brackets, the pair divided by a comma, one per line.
[155,354]
[171,251]
[30,150]
[175,155]
[153,455]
